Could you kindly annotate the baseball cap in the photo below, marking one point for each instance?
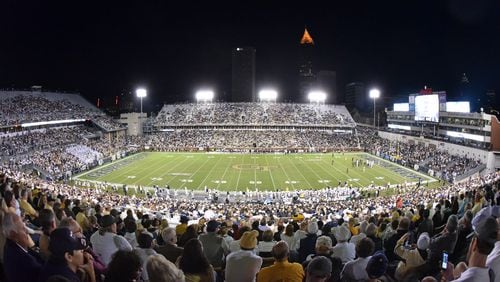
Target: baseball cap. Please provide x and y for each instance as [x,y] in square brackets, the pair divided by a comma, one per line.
[485,213]
[107,220]
[487,230]
[377,265]
[61,242]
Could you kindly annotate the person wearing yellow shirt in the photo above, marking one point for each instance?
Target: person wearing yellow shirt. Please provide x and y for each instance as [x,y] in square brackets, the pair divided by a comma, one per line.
[281,270]
[26,206]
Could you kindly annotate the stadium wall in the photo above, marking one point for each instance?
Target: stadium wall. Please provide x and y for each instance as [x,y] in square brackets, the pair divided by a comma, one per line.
[485,157]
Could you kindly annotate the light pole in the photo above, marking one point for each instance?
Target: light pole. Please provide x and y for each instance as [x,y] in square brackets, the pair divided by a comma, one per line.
[374,94]
[141,93]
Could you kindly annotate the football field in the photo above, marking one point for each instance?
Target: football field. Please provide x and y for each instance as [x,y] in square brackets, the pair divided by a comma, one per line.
[242,172]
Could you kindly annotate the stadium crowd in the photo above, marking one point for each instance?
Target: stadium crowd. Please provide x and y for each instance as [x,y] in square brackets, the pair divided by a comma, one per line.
[90,234]
[22,109]
[253,113]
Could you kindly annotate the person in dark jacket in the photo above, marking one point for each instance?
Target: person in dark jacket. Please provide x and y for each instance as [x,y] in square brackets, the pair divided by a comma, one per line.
[308,244]
[390,244]
[426,225]
[22,263]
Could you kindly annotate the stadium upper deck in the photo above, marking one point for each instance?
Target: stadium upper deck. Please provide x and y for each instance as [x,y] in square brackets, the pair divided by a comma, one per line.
[254,114]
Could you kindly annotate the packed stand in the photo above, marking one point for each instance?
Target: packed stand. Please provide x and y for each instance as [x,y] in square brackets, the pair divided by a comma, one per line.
[253,114]
[88,234]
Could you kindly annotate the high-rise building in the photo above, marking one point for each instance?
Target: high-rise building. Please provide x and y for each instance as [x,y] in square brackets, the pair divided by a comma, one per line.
[355,95]
[326,81]
[243,75]
[306,73]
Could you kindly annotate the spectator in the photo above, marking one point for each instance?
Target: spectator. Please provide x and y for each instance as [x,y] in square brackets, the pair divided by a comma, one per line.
[343,249]
[376,267]
[47,221]
[181,228]
[390,244]
[23,263]
[106,242]
[412,257]
[214,246]
[162,270]
[130,235]
[125,265]
[443,242]
[190,233]
[281,269]
[319,270]
[145,250]
[169,250]
[324,249]
[266,245]
[243,265]
[308,243]
[485,237]
[67,258]
[355,270]
[194,263]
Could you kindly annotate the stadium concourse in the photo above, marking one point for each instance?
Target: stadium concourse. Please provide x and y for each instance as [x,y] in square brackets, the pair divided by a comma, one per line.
[334,233]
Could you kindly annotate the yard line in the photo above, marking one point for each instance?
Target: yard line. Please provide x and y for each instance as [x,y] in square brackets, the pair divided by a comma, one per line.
[347,175]
[167,164]
[314,172]
[270,174]
[286,174]
[239,174]
[129,168]
[148,174]
[161,167]
[310,186]
[209,173]
[224,174]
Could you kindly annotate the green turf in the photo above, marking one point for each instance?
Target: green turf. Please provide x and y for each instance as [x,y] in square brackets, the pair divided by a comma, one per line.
[249,171]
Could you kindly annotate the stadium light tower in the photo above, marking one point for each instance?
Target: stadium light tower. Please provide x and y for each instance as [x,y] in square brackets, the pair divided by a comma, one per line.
[141,93]
[374,94]
[318,97]
[204,96]
[268,95]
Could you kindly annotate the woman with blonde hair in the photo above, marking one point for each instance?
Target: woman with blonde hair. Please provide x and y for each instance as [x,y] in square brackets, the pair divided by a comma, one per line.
[162,270]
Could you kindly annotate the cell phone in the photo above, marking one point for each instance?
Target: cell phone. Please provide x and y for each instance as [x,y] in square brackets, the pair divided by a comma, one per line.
[444,261]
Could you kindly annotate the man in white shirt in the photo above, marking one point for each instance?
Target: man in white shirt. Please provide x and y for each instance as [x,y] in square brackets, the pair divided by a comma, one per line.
[356,270]
[106,242]
[482,244]
[243,265]
[344,250]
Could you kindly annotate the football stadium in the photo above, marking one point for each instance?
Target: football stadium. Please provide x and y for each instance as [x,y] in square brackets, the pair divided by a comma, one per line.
[260,181]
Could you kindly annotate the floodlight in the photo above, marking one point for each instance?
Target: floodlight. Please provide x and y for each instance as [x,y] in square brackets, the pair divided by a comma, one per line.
[204,95]
[268,95]
[317,97]
[374,93]
[141,92]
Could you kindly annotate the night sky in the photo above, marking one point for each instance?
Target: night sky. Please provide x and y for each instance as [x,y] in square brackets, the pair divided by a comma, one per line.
[172,48]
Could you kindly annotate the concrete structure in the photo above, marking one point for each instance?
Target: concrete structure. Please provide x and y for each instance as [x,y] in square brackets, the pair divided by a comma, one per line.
[134,121]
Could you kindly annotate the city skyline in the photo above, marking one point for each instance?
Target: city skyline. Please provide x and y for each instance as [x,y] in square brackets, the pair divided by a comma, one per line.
[103,51]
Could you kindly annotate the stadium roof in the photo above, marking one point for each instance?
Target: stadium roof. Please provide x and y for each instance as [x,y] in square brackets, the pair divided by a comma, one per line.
[306,38]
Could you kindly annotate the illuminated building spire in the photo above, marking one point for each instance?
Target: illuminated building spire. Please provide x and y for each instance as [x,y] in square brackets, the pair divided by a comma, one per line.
[306,38]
